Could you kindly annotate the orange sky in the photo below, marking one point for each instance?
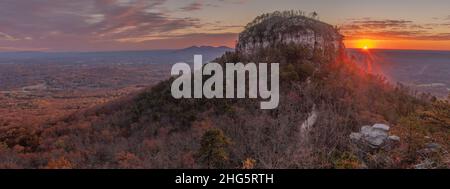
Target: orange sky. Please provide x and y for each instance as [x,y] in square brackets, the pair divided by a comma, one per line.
[398,44]
[87,25]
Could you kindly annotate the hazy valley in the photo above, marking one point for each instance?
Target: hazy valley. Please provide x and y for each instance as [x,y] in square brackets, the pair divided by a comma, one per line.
[114,109]
[424,71]
[38,87]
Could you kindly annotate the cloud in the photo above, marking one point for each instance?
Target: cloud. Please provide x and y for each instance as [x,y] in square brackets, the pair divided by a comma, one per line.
[178,36]
[226,27]
[234,1]
[87,20]
[67,25]
[392,29]
[172,41]
[95,18]
[15,49]
[197,5]
[200,4]
[186,40]
[6,37]
[369,24]
[382,23]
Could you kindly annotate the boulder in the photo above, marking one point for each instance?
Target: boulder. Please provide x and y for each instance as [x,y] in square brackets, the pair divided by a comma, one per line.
[374,137]
[382,127]
[394,138]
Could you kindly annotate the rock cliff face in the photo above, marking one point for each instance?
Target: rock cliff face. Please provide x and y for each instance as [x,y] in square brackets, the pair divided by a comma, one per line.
[287,28]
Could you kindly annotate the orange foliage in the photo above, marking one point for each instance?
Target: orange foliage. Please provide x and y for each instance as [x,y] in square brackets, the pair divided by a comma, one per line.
[60,163]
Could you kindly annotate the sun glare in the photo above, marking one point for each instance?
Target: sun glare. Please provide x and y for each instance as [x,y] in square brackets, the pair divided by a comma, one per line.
[365,44]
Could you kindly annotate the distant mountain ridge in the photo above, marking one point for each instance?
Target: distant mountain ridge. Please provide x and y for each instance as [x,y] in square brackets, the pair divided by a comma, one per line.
[148,56]
[194,47]
[205,48]
[323,99]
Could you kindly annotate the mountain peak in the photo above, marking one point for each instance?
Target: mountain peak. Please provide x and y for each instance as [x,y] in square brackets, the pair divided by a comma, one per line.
[287,28]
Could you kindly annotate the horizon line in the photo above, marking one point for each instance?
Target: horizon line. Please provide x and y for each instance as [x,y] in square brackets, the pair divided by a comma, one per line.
[99,51]
[223,46]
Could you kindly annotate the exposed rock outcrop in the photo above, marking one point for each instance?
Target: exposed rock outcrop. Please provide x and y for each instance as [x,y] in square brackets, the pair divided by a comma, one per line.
[374,137]
[290,28]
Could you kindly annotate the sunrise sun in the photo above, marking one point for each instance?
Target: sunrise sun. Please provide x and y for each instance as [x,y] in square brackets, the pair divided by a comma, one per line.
[365,44]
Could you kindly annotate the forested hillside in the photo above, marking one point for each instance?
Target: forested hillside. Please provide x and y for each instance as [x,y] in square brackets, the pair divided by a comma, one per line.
[324,97]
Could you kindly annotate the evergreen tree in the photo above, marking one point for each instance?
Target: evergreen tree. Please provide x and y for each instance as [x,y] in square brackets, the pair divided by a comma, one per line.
[213,152]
